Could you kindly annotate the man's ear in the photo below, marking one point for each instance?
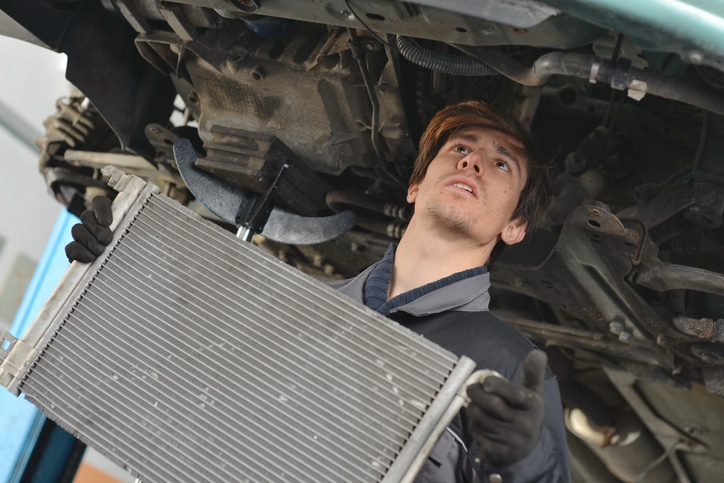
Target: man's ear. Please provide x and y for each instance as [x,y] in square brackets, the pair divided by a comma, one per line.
[514,232]
[412,193]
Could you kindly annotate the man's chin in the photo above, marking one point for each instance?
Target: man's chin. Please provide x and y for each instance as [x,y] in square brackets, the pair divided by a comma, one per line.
[453,222]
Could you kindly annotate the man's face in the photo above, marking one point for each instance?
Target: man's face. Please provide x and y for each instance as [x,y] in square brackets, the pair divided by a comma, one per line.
[472,187]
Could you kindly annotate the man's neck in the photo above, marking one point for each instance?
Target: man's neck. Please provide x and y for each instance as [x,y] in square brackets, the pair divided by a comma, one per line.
[424,256]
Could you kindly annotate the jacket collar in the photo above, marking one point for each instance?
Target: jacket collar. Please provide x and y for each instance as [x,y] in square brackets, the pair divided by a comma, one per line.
[469,294]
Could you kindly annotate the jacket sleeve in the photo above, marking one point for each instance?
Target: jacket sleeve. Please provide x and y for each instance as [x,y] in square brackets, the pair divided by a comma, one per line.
[548,461]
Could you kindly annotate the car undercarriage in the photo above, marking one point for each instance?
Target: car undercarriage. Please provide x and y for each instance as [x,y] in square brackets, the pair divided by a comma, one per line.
[314,109]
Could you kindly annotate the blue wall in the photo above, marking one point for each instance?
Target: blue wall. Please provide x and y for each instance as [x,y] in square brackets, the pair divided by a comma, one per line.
[20,421]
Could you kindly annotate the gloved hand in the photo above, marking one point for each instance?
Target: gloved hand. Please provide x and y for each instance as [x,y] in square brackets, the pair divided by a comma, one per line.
[506,418]
[92,234]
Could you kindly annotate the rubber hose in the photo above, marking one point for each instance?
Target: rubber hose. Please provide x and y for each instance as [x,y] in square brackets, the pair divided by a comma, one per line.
[440,62]
[584,66]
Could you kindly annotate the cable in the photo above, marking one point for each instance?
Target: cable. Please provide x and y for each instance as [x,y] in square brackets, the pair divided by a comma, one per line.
[441,62]
[358,54]
[367,27]
[614,58]
[656,462]
[702,138]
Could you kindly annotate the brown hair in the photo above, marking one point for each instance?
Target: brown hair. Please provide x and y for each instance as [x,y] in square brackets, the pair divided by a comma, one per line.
[447,122]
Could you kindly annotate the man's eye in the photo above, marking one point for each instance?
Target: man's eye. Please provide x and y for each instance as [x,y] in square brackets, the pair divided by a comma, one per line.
[502,165]
[462,150]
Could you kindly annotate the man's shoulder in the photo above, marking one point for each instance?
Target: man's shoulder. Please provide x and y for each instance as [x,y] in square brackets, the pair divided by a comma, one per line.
[491,342]
[353,287]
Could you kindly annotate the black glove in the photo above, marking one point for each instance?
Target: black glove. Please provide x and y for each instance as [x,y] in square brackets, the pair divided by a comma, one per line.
[506,418]
[92,234]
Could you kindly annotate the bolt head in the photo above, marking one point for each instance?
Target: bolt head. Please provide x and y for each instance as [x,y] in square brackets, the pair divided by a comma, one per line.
[695,57]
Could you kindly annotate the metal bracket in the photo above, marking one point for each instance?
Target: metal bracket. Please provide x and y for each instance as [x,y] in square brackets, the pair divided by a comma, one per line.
[14,355]
[227,201]
[666,434]
[254,222]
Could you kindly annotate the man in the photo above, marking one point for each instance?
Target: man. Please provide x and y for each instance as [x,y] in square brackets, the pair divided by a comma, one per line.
[477,183]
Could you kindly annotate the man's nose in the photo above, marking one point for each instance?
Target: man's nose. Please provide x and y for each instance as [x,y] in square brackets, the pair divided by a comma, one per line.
[472,162]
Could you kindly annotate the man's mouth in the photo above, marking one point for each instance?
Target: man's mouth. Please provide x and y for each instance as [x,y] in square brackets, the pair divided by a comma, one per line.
[464,187]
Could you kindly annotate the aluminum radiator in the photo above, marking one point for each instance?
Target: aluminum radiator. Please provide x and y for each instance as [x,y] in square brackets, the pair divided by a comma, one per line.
[186,354]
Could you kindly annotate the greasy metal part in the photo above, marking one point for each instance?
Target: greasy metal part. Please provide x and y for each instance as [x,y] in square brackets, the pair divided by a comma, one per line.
[389,229]
[651,272]
[701,45]
[483,22]
[525,104]
[598,343]
[707,174]
[586,465]
[708,204]
[491,24]
[666,434]
[129,163]
[694,241]
[701,199]
[254,222]
[521,14]
[229,202]
[661,208]
[338,200]
[714,378]
[592,255]
[304,89]
[711,354]
[628,453]
[659,276]
[704,328]
[708,164]
[176,19]
[693,412]
[622,431]
[571,192]
[252,161]
[387,168]
[619,76]
[591,152]
[75,125]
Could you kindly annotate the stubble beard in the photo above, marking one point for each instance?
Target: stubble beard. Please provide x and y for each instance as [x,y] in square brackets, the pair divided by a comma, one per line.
[450,219]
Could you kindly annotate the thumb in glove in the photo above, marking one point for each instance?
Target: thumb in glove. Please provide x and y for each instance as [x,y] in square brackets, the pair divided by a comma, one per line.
[506,418]
[92,234]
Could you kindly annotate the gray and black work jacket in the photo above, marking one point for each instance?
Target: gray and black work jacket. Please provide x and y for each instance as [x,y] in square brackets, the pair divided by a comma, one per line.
[454,314]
